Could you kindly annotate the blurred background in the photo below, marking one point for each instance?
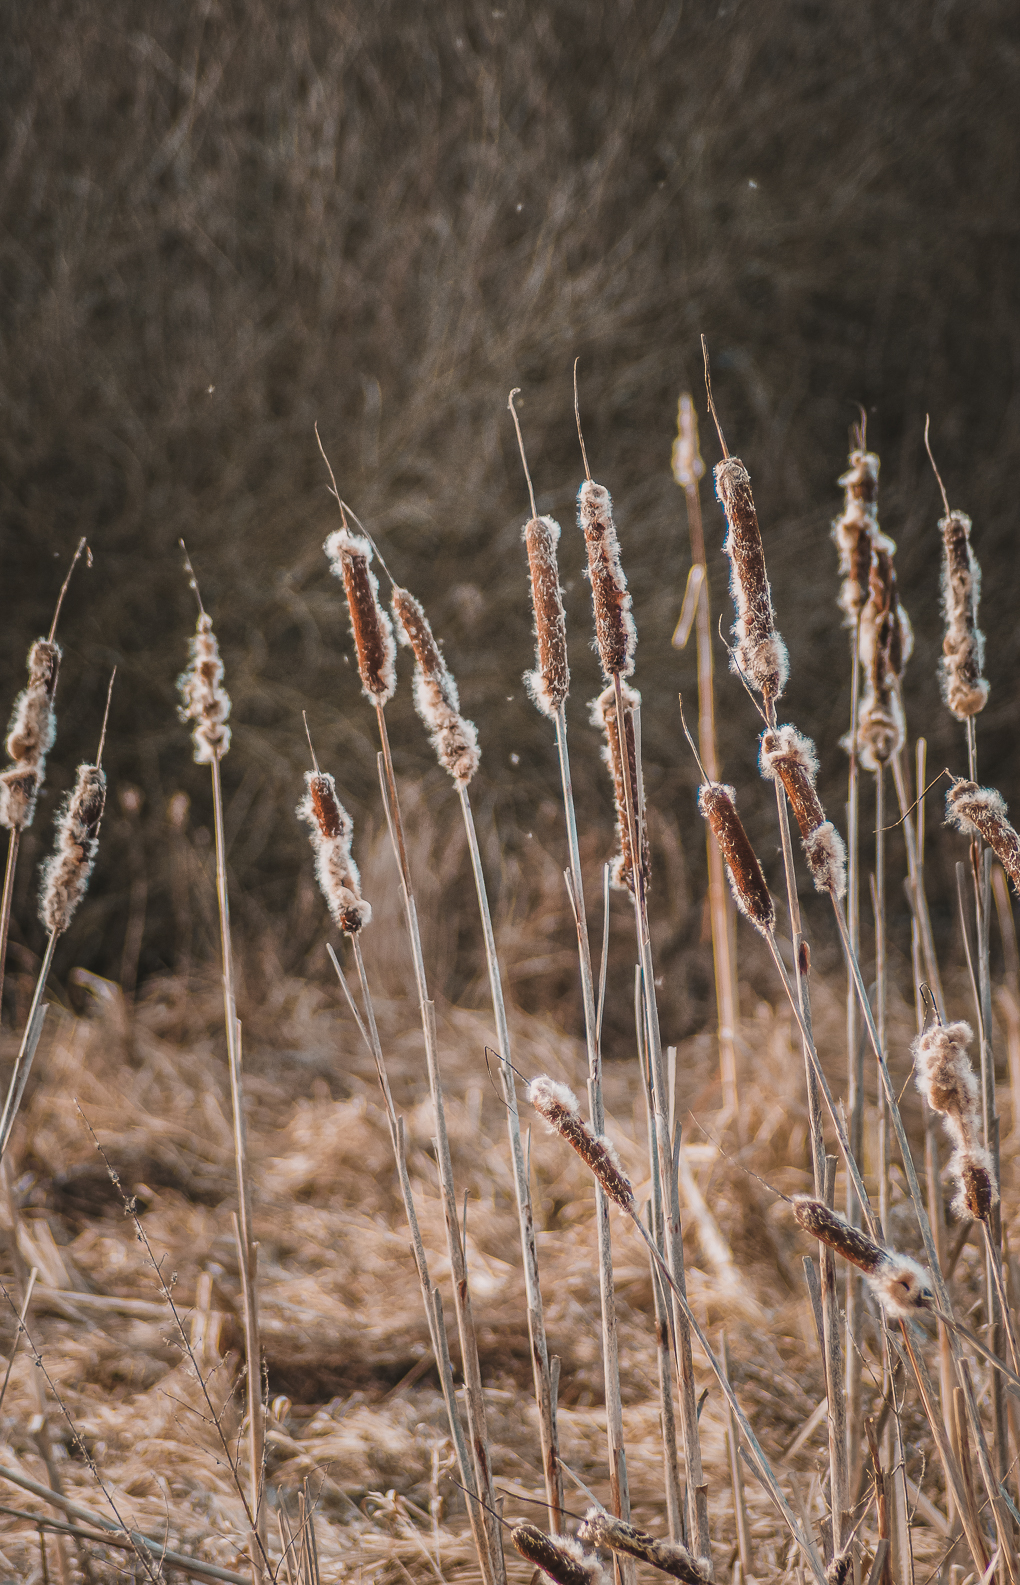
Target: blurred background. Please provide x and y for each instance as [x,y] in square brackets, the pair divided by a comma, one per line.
[221,223]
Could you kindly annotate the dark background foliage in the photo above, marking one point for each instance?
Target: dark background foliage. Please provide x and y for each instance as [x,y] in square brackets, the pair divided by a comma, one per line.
[220,223]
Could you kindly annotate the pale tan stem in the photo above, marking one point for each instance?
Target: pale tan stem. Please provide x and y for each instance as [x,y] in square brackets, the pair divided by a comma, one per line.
[529,1251]
[26,1051]
[247,1254]
[13,843]
[491,1561]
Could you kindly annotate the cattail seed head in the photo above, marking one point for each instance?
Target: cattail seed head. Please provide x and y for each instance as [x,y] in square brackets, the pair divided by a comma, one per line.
[601,1529]
[760,653]
[901,1286]
[943,1072]
[549,683]
[981,811]
[688,466]
[205,701]
[853,532]
[331,832]
[838,1570]
[788,756]
[65,874]
[560,1558]
[350,555]
[963,648]
[974,1172]
[558,1105]
[615,633]
[454,739]
[815,1217]
[30,737]
[603,714]
[747,881]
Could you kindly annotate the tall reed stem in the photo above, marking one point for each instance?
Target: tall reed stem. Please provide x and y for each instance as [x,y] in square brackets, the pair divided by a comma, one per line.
[13,843]
[697,1499]
[493,1564]
[855,1072]
[529,1252]
[26,1052]
[247,1249]
[618,1485]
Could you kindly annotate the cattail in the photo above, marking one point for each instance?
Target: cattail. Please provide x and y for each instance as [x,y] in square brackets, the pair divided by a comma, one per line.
[30,737]
[963,648]
[838,1570]
[886,642]
[454,739]
[900,1284]
[376,650]
[206,701]
[790,757]
[603,714]
[549,683]
[615,633]
[688,466]
[760,654]
[981,811]
[601,1529]
[331,831]
[558,1105]
[881,728]
[747,881]
[65,875]
[560,1558]
[944,1076]
[854,531]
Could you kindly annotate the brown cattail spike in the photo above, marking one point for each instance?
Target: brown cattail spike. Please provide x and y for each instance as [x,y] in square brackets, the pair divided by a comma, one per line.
[760,653]
[331,831]
[603,714]
[790,757]
[886,641]
[963,648]
[601,1529]
[549,683]
[615,633]
[901,1286]
[30,737]
[558,1105]
[374,644]
[747,881]
[560,1558]
[454,739]
[65,875]
[981,811]
[205,700]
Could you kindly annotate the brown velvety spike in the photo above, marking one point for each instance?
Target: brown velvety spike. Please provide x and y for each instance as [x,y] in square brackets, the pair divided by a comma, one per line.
[746,878]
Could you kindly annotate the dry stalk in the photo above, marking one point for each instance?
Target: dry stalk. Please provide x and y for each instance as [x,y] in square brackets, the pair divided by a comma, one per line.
[688,469]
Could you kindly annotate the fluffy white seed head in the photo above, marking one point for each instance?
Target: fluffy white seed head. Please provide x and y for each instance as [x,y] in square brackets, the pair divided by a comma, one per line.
[981,812]
[30,737]
[825,852]
[943,1072]
[964,689]
[454,739]
[65,875]
[901,1286]
[331,833]
[549,684]
[205,701]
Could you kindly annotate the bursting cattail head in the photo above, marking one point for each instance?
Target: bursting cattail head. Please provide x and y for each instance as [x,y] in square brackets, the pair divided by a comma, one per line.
[603,714]
[560,1558]
[943,1072]
[65,875]
[601,1529]
[901,1286]
[205,700]
[981,811]
[976,1193]
[760,653]
[33,725]
[853,532]
[374,644]
[454,739]
[788,756]
[331,832]
[30,737]
[881,728]
[549,683]
[558,1105]
[615,633]
[963,648]
[747,881]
